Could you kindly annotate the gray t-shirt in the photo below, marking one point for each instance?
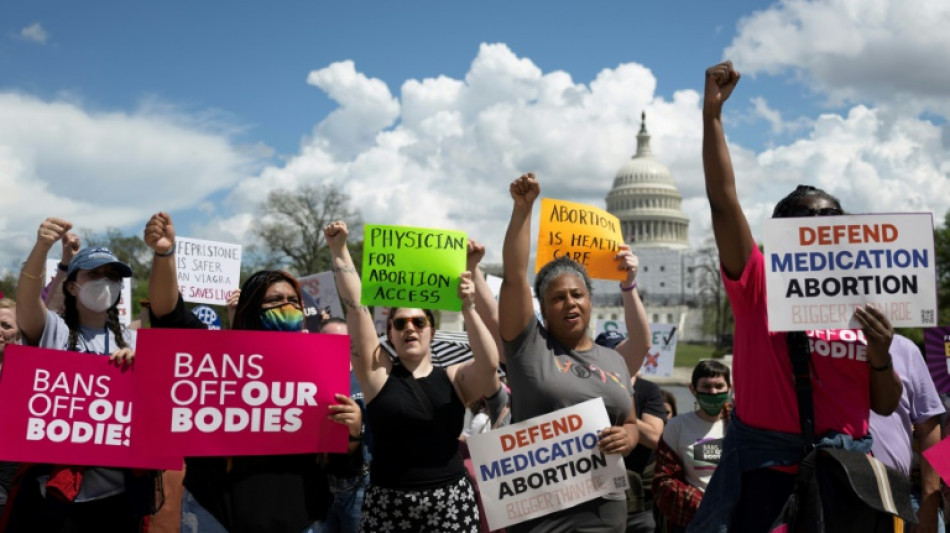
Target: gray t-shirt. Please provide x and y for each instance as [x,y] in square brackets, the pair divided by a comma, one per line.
[97,482]
[545,377]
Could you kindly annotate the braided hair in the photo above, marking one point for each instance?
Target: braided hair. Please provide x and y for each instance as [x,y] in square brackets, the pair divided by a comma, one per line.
[71,318]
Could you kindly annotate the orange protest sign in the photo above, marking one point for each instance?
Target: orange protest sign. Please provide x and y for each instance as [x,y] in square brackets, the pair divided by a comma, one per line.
[586,234]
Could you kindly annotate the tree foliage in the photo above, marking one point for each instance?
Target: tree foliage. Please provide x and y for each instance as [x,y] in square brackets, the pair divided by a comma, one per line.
[942,260]
[717,313]
[291,227]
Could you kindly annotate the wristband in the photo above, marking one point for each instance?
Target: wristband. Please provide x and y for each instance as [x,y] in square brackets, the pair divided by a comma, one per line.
[41,275]
[356,438]
[166,254]
[888,366]
[628,288]
[62,267]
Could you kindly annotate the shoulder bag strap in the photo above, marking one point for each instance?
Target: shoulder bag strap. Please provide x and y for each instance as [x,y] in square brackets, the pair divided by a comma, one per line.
[799,352]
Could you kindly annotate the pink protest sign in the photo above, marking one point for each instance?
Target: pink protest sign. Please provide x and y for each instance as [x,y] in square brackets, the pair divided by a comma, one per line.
[69,408]
[212,393]
[938,456]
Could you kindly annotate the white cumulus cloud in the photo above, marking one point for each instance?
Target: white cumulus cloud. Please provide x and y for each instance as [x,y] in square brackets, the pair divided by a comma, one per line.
[34,33]
[100,170]
[444,150]
[864,51]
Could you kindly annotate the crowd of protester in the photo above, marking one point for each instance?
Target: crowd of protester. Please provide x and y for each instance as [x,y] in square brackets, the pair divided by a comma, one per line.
[731,463]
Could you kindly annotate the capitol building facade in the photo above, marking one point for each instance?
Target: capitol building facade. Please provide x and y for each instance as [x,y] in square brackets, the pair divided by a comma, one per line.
[674,281]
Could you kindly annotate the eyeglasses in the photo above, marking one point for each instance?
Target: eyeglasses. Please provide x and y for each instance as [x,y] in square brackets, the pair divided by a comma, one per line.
[418,322]
[805,211]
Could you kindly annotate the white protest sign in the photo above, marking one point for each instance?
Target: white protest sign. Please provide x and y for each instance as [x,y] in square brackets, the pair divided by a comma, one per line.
[659,360]
[208,271]
[322,287]
[545,464]
[819,269]
[494,284]
[52,266]
[125,302]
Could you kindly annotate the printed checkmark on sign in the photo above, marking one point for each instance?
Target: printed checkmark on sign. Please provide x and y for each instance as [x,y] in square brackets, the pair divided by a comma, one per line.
[668,338]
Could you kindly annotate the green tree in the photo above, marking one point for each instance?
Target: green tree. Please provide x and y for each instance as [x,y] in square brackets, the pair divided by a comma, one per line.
[8,284]
[290,232]
[942,261]
[717,313]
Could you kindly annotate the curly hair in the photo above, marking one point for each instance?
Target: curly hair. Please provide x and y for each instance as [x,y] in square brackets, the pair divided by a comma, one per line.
[555,268]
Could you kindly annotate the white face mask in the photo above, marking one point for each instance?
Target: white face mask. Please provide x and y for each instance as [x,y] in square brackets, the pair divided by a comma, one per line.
[100,295]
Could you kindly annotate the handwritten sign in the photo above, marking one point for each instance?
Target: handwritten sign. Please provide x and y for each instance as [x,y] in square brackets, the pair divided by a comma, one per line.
[819,269]
[204,393]
[937,353]
[69,408]
[659,361]
[208,271]
[545,464]
[586,234]
[412,267]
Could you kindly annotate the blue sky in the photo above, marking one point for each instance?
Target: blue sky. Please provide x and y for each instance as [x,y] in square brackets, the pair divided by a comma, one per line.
[110,111]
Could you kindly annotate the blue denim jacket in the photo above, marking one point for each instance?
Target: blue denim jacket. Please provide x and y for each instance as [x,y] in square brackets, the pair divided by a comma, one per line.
[746,448]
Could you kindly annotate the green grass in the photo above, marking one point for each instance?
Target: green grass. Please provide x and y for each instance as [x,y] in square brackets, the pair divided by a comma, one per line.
[687,355]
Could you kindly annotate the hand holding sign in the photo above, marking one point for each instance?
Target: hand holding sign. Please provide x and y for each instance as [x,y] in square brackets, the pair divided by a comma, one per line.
[628,262]
[616,440]
[346,412]
[467,290]
[159,233]
[122,356]
[879,333]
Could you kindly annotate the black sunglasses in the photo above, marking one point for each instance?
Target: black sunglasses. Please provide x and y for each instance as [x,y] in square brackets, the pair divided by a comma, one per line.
[805,211]
[418,321]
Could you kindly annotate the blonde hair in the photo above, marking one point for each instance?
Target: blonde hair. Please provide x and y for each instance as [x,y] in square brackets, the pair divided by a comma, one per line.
[7,303]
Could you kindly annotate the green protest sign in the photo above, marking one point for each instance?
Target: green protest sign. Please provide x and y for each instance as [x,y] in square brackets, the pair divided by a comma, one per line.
[412,267]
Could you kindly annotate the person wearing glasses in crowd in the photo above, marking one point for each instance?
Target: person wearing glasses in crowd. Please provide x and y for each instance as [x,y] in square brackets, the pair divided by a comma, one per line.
[414,409]
[750,486]
[556,364]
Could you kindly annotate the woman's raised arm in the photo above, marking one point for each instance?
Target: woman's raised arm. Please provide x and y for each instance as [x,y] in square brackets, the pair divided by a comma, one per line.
[370,363]
[514,306]
[733,236]
[30,309]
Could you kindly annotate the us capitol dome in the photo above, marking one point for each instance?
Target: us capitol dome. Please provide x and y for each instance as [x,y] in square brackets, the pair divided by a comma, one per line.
[647,202]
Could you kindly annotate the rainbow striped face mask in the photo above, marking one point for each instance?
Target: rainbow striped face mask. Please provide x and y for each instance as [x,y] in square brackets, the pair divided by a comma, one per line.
[287,317]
